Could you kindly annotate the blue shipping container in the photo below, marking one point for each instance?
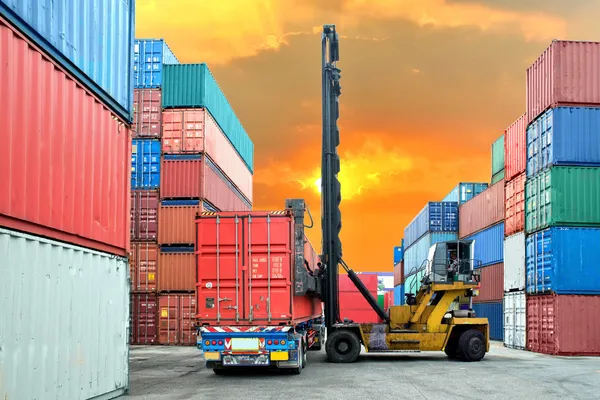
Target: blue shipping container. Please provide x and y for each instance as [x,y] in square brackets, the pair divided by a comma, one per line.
[190,202]
[436,216]
[399,295]
[416,255]
[145,164]
[563,261]
[149,56]
[398,254]
[92,39]
[465,191]
[489,245]
[564,136]
[494,313]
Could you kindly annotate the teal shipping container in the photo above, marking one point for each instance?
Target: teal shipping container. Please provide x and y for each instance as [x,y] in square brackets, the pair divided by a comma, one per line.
[465,191]
[193,86]
[498,157]
[412,283]
[416,254]
[497,177]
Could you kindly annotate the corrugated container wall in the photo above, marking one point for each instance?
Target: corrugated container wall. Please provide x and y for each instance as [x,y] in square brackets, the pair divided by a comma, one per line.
[144,327]
[565,73]
[491,287]
[413,282]
[434,217]
[498,155]
[144,267]
[193,86]
[176,318]
[564,136]
[195,131]
[563,196]
[399,295]
[177,269]
[515,148]
[65,319]
[465,191]
[515,320]
[64,159]
[145,164]
[149,57]
[177,223]
[489,245]
[416,255]
[144,215]
[493,312]
[497,178]
[515,205]
[97,52]
[399,273]
[482,211]
[147,113]
[564,261]
[353,305]
[514,262]
[563,325]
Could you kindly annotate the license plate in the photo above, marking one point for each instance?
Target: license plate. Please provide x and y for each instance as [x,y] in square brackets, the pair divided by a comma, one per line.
[244,344]
[238,360]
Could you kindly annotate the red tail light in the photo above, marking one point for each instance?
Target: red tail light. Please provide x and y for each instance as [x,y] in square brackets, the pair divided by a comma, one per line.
[277,342]
[220,343]
[270,342]
[214,342]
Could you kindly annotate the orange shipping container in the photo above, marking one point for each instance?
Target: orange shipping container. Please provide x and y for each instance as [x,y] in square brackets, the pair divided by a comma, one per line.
[482,211]
[176,316]
[177,223]
[177,269]
[491,287]
[515,205]
[144,259]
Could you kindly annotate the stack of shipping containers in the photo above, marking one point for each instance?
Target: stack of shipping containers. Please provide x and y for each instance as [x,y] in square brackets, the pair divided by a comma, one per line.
[65,120]
[562,200]
[399,274]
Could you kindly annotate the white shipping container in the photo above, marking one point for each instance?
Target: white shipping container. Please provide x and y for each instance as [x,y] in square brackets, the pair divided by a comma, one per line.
[64,320]
[515,320]
[514,262]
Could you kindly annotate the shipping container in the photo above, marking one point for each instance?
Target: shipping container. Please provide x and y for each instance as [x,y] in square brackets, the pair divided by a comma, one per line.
[196,176]
[415,256]
[412,283]
[399,295]
[144,215]
[398,254]
[515,205]
[177,269]
[352,303]
[563,261]
[145,164]
[484,210]
[514,262]
[493,312]
[497,178]
[97,53]
[434,217]
[65,319]
[389,300]
[563,196]
[254,260]
[489,245]
[515,320]
[144,267]
[564,136]
[64,161]
[498,156]
[176,319]
[144,308]
[491,286]
[177,224]
[193,86]
[465,191]
[149,58]
[195,131]
[515,148]
[399,273]
[147,113]
[563,325]
[565,73]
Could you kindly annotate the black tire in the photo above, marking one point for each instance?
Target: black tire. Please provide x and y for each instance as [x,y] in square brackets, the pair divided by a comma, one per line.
[471,345]
[304,354]
[219,371]
[342,346]
[298,370]
[451,350]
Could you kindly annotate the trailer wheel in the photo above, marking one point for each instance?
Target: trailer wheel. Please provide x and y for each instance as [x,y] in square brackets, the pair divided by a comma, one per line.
[342,346]
[219,371]
[298,370]
[471,345]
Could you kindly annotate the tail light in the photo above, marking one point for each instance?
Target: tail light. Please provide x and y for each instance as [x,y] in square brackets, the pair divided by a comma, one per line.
[207,343]
[277,342]
[214,342]
[220,343]
[270,342]
[282,342]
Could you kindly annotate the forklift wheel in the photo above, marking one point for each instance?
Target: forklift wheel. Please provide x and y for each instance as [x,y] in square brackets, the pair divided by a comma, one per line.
[451,350]
[471,345]
[342,346]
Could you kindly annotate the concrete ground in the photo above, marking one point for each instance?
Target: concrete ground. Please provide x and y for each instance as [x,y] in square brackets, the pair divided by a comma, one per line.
[178,373]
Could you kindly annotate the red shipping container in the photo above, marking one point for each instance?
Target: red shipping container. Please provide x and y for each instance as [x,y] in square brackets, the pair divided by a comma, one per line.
[353,305]
[565,74]
[147,113]
[177,317]
[482,211]
[177,223]
[144,215]
[144,267]
[399,273]
[515,148]
[143,318]
[491,286]
[235,253]
[177,270]
[195,131]
[389,299]
[515,205]
[565,325]
[65,161]
[196,177]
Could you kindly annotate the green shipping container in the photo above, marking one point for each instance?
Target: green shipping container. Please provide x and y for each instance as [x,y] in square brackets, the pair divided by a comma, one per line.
[498,156]
[193,86]
[381,300]
[567,196]
[497,177]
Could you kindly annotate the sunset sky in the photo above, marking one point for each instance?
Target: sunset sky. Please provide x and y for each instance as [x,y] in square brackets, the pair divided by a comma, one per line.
[427,85]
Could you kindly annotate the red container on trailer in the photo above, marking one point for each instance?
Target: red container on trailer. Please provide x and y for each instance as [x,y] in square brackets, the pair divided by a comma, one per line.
[65,161]
[565,325]
[353,305]
[195,131]
[147,113]
[515,205]
[491,286]
[177,269]
[176,317]
[144,267]
[177,222]
[515,148]
[143,308]
[482,211]
[144,215]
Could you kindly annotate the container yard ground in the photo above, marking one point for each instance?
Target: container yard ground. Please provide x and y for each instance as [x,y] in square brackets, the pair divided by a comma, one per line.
[161,372]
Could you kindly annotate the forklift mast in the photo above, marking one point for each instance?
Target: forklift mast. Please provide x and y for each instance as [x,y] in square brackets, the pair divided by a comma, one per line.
[331,217]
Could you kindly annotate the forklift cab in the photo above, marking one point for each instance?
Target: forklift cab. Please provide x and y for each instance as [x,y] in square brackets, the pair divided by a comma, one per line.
[451,261]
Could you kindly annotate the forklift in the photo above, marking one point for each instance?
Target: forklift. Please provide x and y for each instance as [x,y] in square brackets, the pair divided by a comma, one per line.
[428,321]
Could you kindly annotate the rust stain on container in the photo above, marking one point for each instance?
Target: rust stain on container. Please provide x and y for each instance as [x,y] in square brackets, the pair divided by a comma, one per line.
[144,267]
[482,211]
[515,148]
[491,287]
[176,270]
[176,316]
[515,205]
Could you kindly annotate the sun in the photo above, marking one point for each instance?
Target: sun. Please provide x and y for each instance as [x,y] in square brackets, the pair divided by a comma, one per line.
[318,185]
